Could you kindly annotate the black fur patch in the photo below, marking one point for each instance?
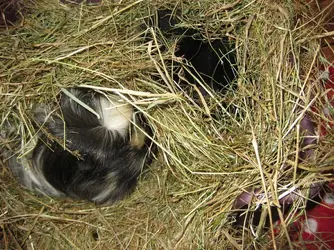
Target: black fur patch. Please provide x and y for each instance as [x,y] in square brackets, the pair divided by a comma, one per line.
[213,61]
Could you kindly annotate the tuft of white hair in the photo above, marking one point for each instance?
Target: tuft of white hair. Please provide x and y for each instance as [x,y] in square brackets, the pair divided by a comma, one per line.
[115,116]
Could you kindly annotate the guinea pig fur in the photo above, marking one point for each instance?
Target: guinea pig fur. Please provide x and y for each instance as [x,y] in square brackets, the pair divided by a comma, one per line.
[10,12]
[105,151]
[212,61]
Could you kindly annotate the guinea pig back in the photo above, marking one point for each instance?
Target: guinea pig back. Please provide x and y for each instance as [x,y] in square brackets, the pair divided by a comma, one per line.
[94,148]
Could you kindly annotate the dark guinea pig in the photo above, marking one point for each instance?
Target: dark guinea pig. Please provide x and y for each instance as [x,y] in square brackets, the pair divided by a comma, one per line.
[106,149]
[214,62]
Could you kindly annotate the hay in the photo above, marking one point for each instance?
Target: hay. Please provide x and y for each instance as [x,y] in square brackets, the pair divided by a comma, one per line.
[209,152]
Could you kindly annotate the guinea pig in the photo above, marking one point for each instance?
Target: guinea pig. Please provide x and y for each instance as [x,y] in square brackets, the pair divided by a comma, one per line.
[94,148]
[213,62]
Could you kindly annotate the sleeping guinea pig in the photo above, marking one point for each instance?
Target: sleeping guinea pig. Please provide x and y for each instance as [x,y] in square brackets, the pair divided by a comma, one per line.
[94,155]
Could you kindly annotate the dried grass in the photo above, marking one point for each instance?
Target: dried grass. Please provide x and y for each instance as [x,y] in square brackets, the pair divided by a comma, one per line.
[209,152]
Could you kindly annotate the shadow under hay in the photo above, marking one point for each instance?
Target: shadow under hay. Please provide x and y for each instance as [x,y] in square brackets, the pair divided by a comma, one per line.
[209,153]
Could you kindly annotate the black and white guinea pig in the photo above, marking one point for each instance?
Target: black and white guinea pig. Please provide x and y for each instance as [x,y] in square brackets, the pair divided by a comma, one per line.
[105,151]
[214,62]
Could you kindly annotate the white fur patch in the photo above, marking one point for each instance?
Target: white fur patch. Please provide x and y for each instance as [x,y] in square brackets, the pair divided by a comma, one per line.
[101,197]
[115,116]
[33,178]
[108,189]
[311,226]
[28,176]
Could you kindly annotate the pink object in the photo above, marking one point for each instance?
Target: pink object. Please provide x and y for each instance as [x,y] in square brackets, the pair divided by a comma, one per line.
[245,198]
[315,230]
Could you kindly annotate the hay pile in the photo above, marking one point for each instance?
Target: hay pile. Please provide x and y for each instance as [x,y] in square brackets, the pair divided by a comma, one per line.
[209,152]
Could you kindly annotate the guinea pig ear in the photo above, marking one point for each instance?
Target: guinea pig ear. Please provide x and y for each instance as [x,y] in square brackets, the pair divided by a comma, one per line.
[162,19]
[167,22]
